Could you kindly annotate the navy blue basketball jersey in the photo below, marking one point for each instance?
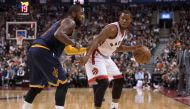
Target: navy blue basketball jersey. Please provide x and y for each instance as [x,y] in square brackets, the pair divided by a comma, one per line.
[48,40]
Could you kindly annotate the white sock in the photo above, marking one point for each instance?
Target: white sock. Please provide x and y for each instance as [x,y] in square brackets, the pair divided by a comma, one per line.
[26,105]
[59,107]
[114,105]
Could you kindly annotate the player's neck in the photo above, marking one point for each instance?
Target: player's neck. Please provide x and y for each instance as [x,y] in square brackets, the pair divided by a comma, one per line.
[121,29]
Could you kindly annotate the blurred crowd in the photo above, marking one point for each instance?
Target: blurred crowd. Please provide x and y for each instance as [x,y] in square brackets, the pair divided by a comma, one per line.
[179,40]
[13,64]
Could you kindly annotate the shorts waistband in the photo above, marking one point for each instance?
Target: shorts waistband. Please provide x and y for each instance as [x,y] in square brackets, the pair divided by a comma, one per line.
[107,57]
[39,46]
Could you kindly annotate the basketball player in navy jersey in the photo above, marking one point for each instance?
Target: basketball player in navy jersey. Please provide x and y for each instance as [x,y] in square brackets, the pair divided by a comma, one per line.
[43,55]
[98,63]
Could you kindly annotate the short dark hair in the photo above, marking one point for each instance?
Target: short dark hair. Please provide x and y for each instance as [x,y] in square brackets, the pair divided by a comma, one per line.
[74,8]
[126,12]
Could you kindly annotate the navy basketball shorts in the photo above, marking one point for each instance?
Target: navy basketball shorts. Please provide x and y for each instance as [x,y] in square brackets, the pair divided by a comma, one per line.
[44,68]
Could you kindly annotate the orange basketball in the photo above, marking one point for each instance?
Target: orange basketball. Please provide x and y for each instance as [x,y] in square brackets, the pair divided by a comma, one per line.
[142,55]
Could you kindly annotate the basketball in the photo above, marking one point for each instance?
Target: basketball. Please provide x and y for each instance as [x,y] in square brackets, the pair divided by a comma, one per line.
[142,55]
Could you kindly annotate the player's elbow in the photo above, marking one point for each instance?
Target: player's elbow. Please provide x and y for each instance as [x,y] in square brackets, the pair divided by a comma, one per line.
[96,42]
[57,34]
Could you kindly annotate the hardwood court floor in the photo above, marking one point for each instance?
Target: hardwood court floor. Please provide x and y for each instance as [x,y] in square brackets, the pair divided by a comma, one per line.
[83,99]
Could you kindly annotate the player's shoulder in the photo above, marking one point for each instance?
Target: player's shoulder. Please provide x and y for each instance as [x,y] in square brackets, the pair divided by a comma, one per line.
[68,21]
[112,28]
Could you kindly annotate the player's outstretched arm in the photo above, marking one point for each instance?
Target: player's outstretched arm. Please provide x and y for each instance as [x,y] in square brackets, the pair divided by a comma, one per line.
[66,28]
[124,48]
[108,32]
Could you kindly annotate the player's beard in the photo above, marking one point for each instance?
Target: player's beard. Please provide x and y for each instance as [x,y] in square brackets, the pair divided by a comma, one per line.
[78,22]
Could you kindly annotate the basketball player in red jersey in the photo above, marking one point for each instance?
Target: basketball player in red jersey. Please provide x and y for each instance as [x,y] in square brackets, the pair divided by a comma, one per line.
[98,63]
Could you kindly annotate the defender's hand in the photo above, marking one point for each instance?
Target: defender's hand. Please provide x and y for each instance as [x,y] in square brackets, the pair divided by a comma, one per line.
[77,45]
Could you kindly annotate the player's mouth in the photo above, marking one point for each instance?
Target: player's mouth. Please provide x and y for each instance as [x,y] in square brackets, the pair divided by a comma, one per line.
[125,24]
